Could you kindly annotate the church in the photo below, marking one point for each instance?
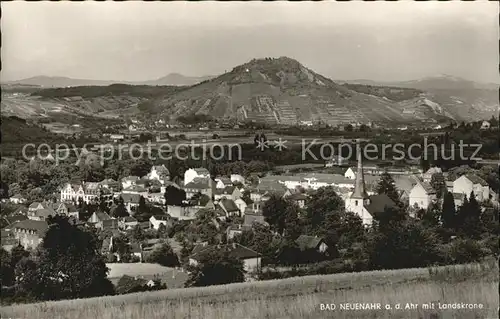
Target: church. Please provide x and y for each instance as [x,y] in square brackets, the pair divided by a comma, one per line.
[360,203]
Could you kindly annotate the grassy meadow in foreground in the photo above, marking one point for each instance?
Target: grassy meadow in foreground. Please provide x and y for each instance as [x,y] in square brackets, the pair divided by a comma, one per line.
[298,297]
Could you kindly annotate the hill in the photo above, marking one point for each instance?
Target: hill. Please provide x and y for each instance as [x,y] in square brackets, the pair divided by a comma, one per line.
[460,99]
[62,82]
[83,101]
[17,130]
[299,297]
[283,91]
[270,90]
[177,80]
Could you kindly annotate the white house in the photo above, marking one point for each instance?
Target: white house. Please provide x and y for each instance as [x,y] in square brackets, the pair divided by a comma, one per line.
[485,125]
[466,184]
[17,199]
[86,191]
[129,181]
[159,173]
[237,178]
[422,195]
[241,204]
[350,174]
[229,192]
[192,173]
[157,220]
[223,182]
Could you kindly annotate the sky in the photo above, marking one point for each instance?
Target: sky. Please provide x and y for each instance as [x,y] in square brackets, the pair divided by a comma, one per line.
[137,41]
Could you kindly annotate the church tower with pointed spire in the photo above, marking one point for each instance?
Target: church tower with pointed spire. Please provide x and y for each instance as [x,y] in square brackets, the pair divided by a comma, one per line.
[359,199]
[359,186]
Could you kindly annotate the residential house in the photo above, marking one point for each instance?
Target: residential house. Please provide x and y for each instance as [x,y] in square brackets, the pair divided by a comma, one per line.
[485,125]
[86,191]
[229,192]
[200,185]
[251,259]
[159,173]
[427,176]
[182,212]
[254,208]
[110,184]
[241,204]
[14,218]
[66,209]
[131,201]
[223,182]
[468,183]
[29,233]
[349,173]
[237,179]
[36,206]
[129,181]
[17,199]
[136,189]
[102,220]
[192,173]
[42,214]
[422,195]
[127,222]
[229,207]
[298,198]
[311,243]
[157,198]
[8,240]
[157,220]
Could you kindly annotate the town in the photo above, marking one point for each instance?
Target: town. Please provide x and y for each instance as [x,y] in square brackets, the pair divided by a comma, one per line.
[175,223]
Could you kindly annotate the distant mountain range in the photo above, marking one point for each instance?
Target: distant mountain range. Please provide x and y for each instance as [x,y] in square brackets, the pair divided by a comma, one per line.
[440,82]
[270,90]
[58,81]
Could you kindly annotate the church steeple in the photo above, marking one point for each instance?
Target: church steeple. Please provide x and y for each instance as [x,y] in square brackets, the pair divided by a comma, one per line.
[359,186]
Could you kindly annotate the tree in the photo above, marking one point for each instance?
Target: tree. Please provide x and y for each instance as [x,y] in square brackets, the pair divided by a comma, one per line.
[448,212]
[137,235]
[275,211]
[439,184]
[323,212]
[469,217]
[261,239]
[403,244]
[7,271]
[70,268]
[174,196]
[119,210]
[164,255]
[387,186]
[216,267]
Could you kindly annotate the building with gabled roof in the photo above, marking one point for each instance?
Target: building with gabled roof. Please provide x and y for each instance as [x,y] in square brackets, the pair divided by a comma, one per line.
[192,173]
[102,220]
[159,173]
[200,185]
[422,195]
[251,259]
[229,207]
[29,232]
[468,183]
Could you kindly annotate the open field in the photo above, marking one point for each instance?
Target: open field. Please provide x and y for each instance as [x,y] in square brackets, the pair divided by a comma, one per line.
[299,297]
